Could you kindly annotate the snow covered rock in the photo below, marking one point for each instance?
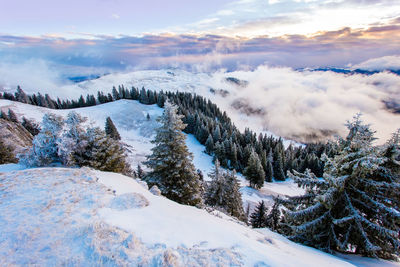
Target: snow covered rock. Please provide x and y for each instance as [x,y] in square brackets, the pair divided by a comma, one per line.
[128,201]
[155,190]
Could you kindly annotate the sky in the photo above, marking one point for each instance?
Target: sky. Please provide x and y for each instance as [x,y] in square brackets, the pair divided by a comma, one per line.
[270,43]
[100,36]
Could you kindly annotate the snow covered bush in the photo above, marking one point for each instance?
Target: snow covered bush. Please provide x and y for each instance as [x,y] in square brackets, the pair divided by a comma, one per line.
[44,149]
[356,206]
[69,143]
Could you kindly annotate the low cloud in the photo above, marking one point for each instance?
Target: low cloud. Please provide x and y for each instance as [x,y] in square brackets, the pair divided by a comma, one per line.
[309,106]
[381,63]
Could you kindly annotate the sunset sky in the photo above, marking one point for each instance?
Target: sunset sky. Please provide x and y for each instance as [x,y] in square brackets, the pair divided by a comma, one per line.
[121,34]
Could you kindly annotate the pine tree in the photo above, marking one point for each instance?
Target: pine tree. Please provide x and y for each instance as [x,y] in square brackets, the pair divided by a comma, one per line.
[257,218]
[235,204]
[254,172]
[209,144]
[111,130]
[356,205]
[278,166]
[171,164]
[272,219]
[105,153]
[269,173]
[216,194]
[6,153]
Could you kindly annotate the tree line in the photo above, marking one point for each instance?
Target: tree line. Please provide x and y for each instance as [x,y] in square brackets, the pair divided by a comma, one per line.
[262,157]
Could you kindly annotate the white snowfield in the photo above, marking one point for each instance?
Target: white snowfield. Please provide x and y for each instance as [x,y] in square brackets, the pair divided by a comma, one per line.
[82,217]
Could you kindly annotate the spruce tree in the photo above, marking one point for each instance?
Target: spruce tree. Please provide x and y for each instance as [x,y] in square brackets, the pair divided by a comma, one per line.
[171,164]
[105,153]
[235,205]
[257,218]
[254,172]
[278,166]
[269,173]
[356,205]
[111,130]
[272,220]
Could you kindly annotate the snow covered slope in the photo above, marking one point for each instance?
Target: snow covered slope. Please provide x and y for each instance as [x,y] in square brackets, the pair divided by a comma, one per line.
[136,131]
[82,217]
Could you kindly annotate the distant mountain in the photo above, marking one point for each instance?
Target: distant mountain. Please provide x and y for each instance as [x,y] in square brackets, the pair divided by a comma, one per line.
[350,71]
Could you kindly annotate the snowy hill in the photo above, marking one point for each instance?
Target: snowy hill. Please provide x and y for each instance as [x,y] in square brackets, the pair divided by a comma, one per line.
[137,132]
[91,218]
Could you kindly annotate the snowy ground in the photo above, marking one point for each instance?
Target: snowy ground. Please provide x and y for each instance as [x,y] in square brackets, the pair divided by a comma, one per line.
[82,217]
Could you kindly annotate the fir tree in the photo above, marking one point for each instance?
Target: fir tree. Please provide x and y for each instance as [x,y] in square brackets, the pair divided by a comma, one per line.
[171,164]
[257,218]
[105,153]
[356,205]
[209,144]
[269,173]
[235,204]
[278,166]
[111,130]
[254,172]
[272,220]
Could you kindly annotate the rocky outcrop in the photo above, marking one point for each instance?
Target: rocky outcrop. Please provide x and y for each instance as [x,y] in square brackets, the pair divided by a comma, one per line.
[16,135]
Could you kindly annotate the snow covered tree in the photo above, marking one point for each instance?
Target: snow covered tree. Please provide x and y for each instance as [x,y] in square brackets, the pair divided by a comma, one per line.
[111,130]
[44,150]
[279,174]
[216,190]
[272,219]
[269,173]
[6,153]
[257,218]
[209,144]
[73,142]
[355,207]
[254,172]
[234,204]
[104,153]
[171,164]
